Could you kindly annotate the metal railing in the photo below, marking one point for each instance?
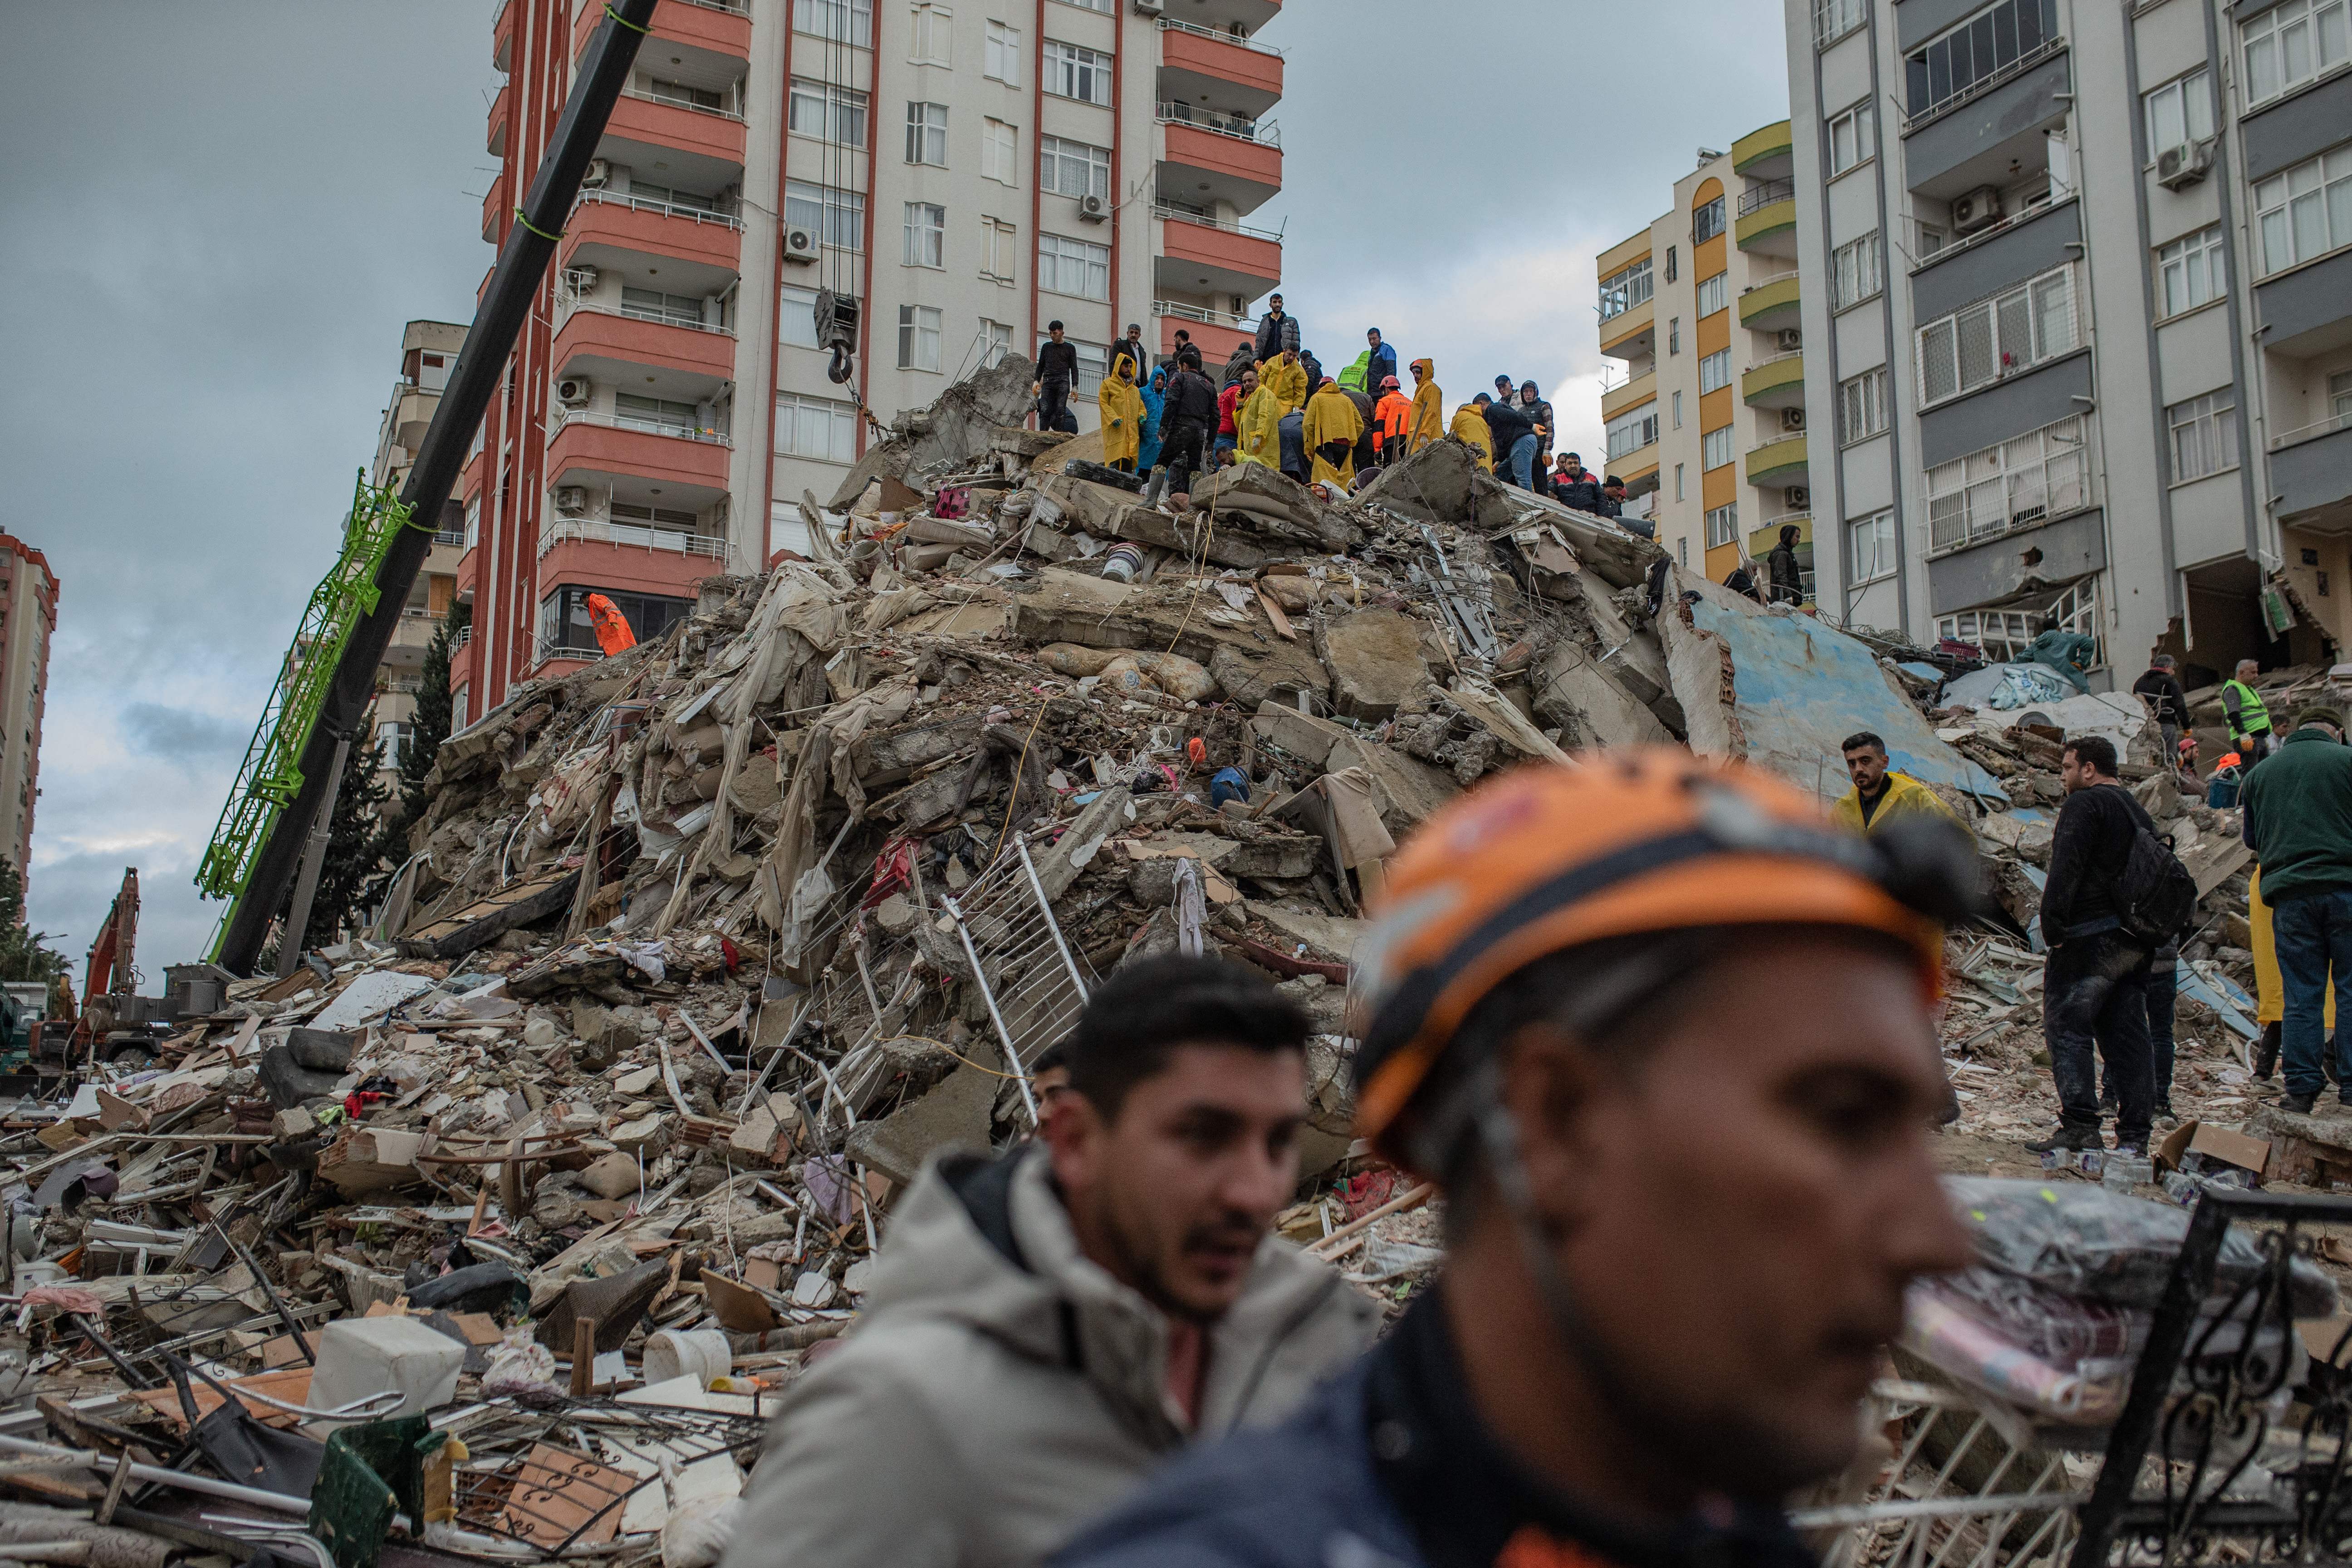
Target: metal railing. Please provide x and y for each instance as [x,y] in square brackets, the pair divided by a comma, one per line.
[2328,426]
[399,685]
[571,305]
[676,102]
[465,635]
[1767,282]
[1993,230]
[1977,90]
[734,7]
[1200,313]
[1169,25]
[455,536]
[1265,133]
[599,531]
[546,649]
[645,427]
[1764,193]
[667,209]
[1776,359]
[1177,215]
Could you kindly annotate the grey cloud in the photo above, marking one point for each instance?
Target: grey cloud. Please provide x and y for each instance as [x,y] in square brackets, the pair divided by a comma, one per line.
[183,735]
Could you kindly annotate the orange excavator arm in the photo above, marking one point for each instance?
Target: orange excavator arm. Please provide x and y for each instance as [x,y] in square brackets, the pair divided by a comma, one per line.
[108,969]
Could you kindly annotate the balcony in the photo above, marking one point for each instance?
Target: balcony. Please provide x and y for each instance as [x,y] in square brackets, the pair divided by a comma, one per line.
[502,115]
[693,149]
[619,348]
[1771,303]
[1217,333]
[412,414]
[618,555]
[1768,219]
[2311,472]
[662,540]
[721,27]
[1205,66]
[605,224]
[496,208]
[1213,157]
[410,635]
[1775,383]
[1631,334]
[502,36]
[1765,154]
[1778,462]
[690,464]
[1249,16]
[1643,388]
[1213,256]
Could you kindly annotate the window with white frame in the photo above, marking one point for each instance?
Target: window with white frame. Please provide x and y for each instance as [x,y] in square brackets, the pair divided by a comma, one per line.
[2204,435]
[1863,409]
[1722,525]
[998,337]
[1870,549]
[1107,7]
[1000,152]
[1857,271]
[1714,293]
[473,522]
[2306,212]
[839,216]
[1678,481]
[1977,344]
[2188,271]
[2181,111]
[816,427]
[926,235]
[2290,45]
[1707,222]
[1678,410]
[1000,58]
[1074,72]
[1068,168]
[2001,636]
[1715,448]
[657,416]
[796,316]
[1094,363]
[918,338]
[998,247]
[1682,548]
[926,134]
[1853,137]
[1626,289]
[932,39]
[2340,395]
[829,113]
[1714,371]
[843,21]
[2016,483]
[1631,431]
[1980,49]
[1833,19]
[653,305]
[684,95]
[1067,265]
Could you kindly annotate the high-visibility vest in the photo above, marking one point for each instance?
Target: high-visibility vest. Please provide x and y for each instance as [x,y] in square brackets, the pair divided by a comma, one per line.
[1395,422]
[613,633]
[2253,718]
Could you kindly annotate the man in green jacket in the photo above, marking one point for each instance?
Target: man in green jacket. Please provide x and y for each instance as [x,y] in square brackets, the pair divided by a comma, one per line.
[2297,811]
[2249,720]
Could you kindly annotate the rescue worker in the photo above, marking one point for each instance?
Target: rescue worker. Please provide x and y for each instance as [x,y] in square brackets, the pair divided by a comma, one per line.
[1259,422]
[2242,710]
[1787,580]
[1470,428]
[1229,402]
[1382,363]
[1514,443]
[1428,405]
[2160,684]
[1678,1227]
[1189,419]
[1353,379]
[1330,432]
[1122,415]
[1287,376]
[1539,415]
[1057,369]
[613,633]
[1879,795]
[1391,424]
[1155,400]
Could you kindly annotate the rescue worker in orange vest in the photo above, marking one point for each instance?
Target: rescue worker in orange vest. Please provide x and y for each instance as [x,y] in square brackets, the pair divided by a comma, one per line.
[1391,424]
[613,633]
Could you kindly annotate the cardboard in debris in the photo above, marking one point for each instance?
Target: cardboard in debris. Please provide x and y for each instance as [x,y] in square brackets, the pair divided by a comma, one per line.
[2218,1143]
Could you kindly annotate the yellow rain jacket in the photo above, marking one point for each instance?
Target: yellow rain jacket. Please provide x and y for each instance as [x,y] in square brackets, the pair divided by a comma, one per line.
[1470,428]
[1288,382]
[1905,796]
[1122,420]
[1428,408]
[1257,427]
[1331,416]
[2270,989]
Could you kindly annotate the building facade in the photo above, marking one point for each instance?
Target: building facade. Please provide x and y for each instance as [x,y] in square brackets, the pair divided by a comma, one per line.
[1708,429]
[29,619]
[2083,356]
[428,352]
[962,174]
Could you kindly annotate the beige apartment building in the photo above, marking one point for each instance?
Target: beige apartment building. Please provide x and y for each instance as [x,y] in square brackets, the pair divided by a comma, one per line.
[428,352]
[28,618]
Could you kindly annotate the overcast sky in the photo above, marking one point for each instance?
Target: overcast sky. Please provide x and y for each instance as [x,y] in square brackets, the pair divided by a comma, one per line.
[216,218]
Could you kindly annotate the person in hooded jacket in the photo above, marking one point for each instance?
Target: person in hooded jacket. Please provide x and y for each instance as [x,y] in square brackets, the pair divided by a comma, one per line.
[1287,377]
[1515,444]
[1367,456]
[1538,413]
[1383,362]
[1190,415]
[1333,425]
[1353,379]
[1277,329]
[1428,405]
[1291,435]
[1155,399]
[1122,415]
[1391,424]
[1259,422]
[1470,428]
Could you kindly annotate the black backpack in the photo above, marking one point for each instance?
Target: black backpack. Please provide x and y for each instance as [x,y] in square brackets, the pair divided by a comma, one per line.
[2155,896]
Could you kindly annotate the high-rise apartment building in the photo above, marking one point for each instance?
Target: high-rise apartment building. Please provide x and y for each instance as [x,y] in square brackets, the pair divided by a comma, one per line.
[2084,357]
[963,172]
[1709,428]
[28,618]
[428,352]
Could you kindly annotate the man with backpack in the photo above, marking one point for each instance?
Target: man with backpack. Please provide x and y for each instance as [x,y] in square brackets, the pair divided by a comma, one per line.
[2298,821]
[2114,894]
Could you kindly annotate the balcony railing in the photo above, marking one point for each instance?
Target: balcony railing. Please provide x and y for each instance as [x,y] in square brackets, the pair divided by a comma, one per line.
[1200,313]
[465,635]
[1177,215]
[571,304]
[735,7]
[667,209]
[1764,193]
[598,530]
[1266,133]
[678,100]
[1169,25]
[1975,90]
[455,536]
[2327,426]
[634,422]
[1775,359]
[546,649]
[399,685]
[1766,282]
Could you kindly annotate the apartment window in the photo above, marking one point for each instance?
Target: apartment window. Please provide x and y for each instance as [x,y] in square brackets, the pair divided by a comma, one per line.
[2014,484]
[1870,549]
[1073,267]
[1107,7]
[1863,406]
[2179,111]
[1094,363]
[1633,431]
[1073,168]
[1074,72]
[2339,405]
[1000,58]
[1682,547]
[2204,435]
[926,235]
[2290,45]
[2306,212]
[998,243]
[796,316]
[684,96]
[1714,371]
[838,216]
[830,113]
[1000,152]
[660,415]
[1833,19]
[1722,525]
[934,41]
[1977,50]
[653,516]
[1678,410]
[843,21]
[926,134]
[1715,448]
[1678,482]
[918,338]
[998,336]
[2188,271]
[816,428]
[1714,294]
[1979,343]
[1626,289]
[567,630]
[1857,271]
[1707,222]
[1674,335]
[653,305]
[1853,137]
[473,522]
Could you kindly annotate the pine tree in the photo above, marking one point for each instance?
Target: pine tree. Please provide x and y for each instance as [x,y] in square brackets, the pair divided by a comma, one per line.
[356,841]
[429,725]
[22,954]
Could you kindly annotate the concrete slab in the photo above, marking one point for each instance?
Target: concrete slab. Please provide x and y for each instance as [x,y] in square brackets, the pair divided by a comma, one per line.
[953,1115]
[1587,704]
[1375,659]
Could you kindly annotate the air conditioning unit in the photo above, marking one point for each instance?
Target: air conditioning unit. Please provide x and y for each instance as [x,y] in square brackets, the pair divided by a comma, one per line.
[581,280]
[2184,165]
[599,174]
[574,391]
[1799,498]
[801,244]
[1792,339]
[1793,419]
[572,500]
[1978,209]
[1093,209]
[1148,7]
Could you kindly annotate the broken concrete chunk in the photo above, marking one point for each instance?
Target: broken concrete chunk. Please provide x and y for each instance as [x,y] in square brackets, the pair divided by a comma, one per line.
[954,1115]
[1589,705]
[1376,660]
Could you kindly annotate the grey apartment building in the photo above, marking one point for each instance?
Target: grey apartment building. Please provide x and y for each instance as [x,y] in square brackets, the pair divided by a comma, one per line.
[2081,352]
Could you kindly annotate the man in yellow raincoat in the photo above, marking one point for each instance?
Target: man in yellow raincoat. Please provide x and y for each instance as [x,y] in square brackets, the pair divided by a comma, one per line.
[1257,423]
[1288,378]
[1428,406]
[1123,416]
[1880,794]
[1470,429]
[1332,428]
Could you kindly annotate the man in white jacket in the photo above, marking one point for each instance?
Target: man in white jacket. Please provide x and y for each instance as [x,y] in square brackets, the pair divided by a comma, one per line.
[1045,1326]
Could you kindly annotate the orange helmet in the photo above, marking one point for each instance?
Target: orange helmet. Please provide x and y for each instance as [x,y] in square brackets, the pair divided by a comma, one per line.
[1548,857]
